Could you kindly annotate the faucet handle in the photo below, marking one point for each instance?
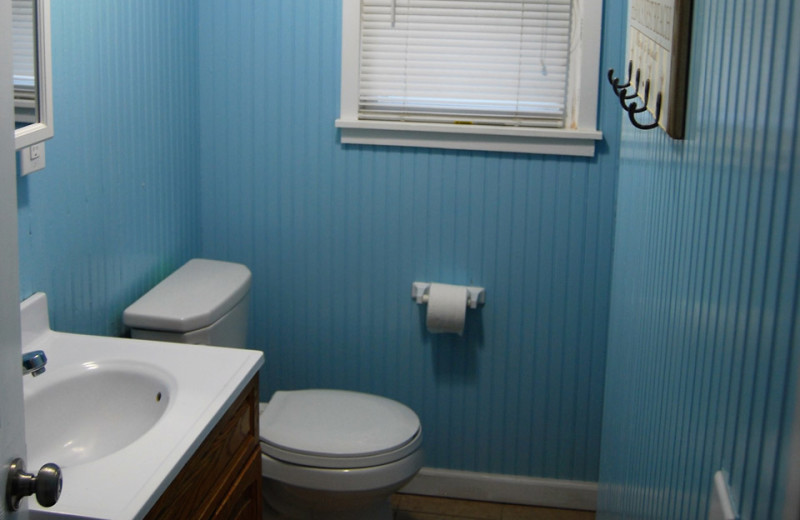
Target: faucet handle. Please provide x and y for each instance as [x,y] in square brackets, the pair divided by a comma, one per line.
[33,362]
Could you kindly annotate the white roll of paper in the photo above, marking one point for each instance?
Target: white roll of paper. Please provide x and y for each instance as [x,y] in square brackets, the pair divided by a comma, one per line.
[447,308]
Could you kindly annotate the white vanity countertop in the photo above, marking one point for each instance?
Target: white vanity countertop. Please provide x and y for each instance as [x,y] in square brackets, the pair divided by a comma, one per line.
[126,484]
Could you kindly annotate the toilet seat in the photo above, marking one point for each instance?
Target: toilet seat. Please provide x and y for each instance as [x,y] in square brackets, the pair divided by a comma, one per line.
[337,429]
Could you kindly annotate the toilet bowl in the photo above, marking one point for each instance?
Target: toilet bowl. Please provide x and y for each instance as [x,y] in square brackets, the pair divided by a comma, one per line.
[336,454]
[325,454]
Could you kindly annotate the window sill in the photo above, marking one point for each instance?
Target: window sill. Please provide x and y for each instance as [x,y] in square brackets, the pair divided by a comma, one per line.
[551,141]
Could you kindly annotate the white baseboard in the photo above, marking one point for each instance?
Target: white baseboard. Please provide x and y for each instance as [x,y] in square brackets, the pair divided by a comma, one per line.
[508,489]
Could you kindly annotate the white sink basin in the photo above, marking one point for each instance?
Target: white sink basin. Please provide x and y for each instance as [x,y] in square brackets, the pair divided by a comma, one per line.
[80,413]
[120,416]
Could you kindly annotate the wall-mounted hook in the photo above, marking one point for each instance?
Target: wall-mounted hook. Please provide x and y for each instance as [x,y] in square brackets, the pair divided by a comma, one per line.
[633,107]
[624,96]
[615,81]
[623,93]
[654,124]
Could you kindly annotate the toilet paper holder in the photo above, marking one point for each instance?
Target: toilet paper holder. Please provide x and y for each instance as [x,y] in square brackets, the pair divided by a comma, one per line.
[475,295]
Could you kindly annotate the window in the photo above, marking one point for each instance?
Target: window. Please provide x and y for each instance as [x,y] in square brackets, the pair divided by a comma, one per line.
[499,75]
[33,92]
[24,62]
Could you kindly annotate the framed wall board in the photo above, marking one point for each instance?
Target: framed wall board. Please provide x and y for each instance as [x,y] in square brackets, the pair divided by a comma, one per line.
[659,37]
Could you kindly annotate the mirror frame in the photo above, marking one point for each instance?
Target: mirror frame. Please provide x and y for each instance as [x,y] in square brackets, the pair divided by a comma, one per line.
[43,130]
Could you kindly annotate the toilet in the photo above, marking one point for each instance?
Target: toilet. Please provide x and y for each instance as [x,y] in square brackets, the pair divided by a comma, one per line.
[325,454]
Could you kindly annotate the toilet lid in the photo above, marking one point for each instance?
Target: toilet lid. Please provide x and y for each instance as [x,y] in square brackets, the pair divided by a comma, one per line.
[193,297]
[337,429]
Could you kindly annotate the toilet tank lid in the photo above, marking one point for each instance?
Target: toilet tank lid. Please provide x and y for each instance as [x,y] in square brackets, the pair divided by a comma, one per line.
[193,297]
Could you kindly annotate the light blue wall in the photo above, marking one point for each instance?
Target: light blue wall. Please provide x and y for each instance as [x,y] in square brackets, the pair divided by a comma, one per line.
[335,235]
[185,130]
[702,345]
[116,208]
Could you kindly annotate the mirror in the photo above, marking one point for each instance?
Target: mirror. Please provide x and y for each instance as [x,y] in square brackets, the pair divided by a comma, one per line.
[33,98]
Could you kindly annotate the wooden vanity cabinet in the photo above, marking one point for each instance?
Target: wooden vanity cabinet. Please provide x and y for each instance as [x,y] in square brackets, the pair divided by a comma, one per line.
[222,480]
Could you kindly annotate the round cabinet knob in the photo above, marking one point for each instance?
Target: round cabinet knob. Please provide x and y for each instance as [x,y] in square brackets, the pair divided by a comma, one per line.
[46,484]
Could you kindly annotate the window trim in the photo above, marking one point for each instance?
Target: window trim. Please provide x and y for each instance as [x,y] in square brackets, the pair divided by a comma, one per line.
[578,136]
[42,129]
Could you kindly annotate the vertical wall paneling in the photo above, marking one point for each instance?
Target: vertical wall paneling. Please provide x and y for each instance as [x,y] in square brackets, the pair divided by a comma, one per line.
[335,235]
[207,128]
[116,208]
[701,367]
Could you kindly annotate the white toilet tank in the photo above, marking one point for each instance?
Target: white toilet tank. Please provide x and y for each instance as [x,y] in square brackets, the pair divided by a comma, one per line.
[205,302]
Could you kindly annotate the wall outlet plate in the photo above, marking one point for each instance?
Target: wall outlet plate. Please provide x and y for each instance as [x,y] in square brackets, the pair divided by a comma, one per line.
[31,159]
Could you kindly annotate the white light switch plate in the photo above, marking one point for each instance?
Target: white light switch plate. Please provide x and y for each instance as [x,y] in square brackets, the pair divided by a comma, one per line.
[31,159]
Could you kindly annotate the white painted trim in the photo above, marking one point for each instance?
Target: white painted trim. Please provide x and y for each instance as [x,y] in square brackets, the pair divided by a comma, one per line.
[791,495]
[508,489]
[43,130]
[581,121]
[551,141]
[12,412]
[587,40]
[720,504]
[351,45]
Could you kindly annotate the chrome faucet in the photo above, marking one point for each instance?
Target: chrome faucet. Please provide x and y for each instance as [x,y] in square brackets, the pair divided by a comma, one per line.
[33,363]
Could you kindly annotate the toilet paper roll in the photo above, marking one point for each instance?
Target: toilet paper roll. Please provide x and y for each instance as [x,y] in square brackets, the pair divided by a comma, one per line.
[447,307]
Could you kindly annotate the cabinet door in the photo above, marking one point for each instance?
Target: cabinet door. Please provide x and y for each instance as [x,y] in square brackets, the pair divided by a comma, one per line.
[218,463]
[243,502]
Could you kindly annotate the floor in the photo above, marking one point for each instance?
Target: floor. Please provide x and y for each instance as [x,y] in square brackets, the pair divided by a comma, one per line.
[416,507]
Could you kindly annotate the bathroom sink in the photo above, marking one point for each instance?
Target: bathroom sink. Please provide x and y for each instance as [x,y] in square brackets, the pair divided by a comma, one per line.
[120,416]
[77,414]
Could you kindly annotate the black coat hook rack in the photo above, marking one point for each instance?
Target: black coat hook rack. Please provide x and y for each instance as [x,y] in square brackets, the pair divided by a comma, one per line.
[633,108]
[655,91]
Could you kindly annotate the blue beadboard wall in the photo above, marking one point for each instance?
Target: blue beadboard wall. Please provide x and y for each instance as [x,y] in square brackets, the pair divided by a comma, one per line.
[116,208]
[335,235]
[702,353]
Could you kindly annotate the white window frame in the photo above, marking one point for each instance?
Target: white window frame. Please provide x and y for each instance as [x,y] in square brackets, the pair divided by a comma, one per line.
[42,129]
[578,137]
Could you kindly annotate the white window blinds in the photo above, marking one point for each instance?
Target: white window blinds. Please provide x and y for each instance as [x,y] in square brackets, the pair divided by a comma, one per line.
[23,17]
[501,62]
[23,34]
